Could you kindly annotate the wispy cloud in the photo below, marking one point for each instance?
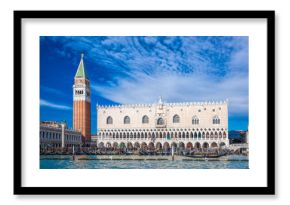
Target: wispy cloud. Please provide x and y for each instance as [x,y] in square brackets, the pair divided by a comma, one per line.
[54,105]
[178,88]
[139,69]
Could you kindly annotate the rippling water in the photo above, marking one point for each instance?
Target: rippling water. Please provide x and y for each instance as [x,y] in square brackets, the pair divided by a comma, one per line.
[66,162]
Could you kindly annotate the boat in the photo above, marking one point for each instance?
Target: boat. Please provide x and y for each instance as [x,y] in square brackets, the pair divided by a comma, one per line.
[128,152]
[206,155]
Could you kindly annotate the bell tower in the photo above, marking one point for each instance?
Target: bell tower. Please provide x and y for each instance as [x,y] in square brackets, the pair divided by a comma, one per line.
[82,102]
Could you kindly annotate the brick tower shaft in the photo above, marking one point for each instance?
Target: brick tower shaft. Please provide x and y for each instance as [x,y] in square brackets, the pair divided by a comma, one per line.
[82,102]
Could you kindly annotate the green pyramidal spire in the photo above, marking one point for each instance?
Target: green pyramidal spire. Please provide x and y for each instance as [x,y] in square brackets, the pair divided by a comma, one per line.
[81,72]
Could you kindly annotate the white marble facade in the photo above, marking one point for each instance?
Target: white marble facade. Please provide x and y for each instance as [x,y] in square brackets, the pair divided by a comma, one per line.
[193,124]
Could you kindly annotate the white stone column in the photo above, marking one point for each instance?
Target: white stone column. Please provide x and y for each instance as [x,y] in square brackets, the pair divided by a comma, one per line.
[62,135]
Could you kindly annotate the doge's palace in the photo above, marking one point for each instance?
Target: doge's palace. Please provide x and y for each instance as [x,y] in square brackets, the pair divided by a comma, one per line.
[162,125]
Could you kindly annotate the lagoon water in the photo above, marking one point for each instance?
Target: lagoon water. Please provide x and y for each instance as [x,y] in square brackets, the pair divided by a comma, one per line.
[66,162]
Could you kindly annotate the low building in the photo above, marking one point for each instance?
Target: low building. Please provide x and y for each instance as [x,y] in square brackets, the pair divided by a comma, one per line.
[57,135]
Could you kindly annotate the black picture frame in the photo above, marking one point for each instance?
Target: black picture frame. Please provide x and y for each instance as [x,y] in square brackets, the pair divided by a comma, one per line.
[268,190]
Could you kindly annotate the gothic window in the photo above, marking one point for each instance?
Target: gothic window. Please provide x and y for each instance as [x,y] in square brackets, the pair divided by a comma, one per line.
[126,120]
[109,120]
[195,120]
[160,121]
[176,119]
[145,119]
[199,135]
[216,120]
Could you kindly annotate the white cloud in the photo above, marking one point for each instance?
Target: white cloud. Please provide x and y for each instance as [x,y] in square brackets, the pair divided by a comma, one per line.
[179,88]
[178,68]
[53,105]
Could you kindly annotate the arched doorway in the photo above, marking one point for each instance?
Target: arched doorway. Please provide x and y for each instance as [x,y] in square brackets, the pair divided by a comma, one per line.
[189,146]
[151,146]
[136,145]
[129,146]
[101,145]
[144,146]
[181,145]
[173,144]
[115,145]
[214,145]
[197,145]
[205,145]
[158,146]
[108,145]
[122,145]
[166,146]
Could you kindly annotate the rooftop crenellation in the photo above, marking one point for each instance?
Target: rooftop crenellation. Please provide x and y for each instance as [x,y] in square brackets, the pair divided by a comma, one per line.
[164,103]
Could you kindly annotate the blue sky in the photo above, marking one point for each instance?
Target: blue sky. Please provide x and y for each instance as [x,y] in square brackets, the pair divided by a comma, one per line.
[138,69]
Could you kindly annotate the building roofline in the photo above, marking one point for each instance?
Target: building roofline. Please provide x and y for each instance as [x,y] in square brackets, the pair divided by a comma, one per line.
[201,103]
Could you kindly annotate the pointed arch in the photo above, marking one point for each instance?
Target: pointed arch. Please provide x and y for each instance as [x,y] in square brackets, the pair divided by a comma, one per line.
[136,145]
[144,145]
[216,120]
[115,145]
[205,145]
[195,120]
[151,146]
[129,145]
[214,145]
[181,145]
[183,135]
[145,119]
[158,146]
[126,120]
[189,146]
[166,146]
[173,144]
[176,119]
[160,121]
[199,135]
[109,120]
[122,145]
